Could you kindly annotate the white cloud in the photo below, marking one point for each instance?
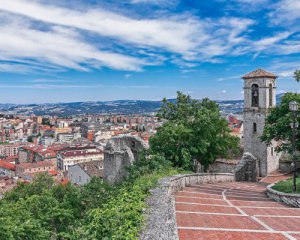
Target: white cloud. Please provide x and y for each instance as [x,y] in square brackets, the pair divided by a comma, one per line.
[285,67]
[221,79]
[49,86]
[52,36]
[181,34]
[156,2]
[149,32]
[281,91]
[285,12]
[56,48]
[251,1]
[269,41]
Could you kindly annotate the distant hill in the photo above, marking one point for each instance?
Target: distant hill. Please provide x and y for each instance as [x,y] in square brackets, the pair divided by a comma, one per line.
[107,107]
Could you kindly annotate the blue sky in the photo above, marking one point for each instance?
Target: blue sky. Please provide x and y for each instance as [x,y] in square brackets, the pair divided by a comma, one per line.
[93,50]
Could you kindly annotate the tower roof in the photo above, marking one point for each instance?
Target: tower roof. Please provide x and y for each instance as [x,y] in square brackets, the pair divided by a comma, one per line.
[259,73]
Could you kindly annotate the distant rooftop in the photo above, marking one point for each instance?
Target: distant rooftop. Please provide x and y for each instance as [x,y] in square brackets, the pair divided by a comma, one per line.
[259,73]
[77,153]
[93,168]
[6,165]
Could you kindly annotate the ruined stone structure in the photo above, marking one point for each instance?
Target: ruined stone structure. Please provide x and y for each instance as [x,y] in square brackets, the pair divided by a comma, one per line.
[119,153]
[259,97]
[247,168]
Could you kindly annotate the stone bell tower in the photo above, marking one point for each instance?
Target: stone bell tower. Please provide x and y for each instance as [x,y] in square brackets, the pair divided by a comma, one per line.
[259,97]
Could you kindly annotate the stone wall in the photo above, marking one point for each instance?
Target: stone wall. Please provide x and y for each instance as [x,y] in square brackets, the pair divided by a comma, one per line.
[223,166]
[288,198]
[160,215]
[120,153]
[246,170]
[286,166]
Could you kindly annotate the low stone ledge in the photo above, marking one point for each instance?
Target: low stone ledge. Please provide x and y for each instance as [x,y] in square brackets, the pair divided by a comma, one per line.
[160,215]
[290,199]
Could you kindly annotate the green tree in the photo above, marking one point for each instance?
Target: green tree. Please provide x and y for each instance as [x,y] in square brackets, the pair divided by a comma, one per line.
[194,133]
[96,193]
[297,75]
[30,139]
[278,124]
[46,121]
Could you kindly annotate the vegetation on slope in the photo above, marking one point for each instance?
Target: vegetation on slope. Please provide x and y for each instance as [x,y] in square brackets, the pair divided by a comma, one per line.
[44,210]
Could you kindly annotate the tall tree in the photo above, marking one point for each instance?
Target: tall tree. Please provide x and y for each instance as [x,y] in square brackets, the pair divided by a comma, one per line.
[278,124]
[297,75]
[194,133]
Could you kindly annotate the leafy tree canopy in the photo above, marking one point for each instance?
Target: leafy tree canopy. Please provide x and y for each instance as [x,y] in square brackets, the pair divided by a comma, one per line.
[194,133]
[278,124]
[297,75]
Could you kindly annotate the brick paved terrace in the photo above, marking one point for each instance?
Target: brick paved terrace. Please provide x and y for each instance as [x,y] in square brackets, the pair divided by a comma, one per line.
[236,210]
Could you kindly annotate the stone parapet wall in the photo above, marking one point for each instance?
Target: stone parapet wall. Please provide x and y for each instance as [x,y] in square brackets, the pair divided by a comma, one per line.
[160,215]
[178,182]
[287,198]
[225,166]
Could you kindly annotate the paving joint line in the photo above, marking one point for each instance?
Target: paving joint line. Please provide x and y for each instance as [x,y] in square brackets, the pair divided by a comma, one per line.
[276,216]
[288,236]
[233,196]
[262,223]
[230,204]
[211,213]
[238,230]
[247,207]
[205,204]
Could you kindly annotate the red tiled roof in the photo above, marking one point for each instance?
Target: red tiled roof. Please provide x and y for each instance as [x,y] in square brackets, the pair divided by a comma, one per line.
[35,164]
[236,130]
[47,153]
[64,181]
[7,165]
[33,148]
[259,73]
[53,172]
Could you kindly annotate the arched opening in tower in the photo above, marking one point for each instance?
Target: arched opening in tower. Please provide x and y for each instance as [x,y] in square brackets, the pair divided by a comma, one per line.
[255,95]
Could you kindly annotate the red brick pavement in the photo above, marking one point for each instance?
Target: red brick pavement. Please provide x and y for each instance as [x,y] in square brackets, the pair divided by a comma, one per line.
[204,235]
[235,211]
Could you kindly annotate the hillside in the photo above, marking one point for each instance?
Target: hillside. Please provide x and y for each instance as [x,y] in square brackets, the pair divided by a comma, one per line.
[106,107]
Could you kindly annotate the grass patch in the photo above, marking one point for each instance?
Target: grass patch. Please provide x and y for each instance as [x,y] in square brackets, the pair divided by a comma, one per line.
[286,186]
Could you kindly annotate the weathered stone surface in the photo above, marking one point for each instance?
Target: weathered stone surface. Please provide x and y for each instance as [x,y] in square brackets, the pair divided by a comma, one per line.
[119,153]
[288,198]
[223,166]
[246,170]
[286,166]
[160,215]
[254,122]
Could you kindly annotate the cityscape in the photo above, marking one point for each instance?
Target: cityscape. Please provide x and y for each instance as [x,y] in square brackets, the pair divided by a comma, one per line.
[149,120]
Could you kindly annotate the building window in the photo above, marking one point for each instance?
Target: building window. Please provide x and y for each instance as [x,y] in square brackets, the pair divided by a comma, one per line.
[254,127]
[270,95]
[255,95]
[272,151]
